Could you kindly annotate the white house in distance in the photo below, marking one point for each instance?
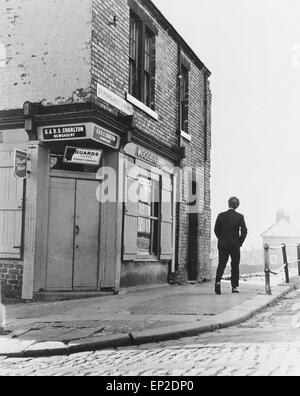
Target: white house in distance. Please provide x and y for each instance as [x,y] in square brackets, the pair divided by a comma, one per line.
[282,232]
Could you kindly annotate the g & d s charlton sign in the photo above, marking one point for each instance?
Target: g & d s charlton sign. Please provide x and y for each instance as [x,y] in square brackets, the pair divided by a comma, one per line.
[20,164]
[106,137]
[66,132]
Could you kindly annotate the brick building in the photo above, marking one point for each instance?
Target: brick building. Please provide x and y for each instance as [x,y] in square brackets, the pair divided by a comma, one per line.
[93,86]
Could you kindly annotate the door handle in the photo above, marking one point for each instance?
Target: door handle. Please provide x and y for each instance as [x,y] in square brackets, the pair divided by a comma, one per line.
[77,230]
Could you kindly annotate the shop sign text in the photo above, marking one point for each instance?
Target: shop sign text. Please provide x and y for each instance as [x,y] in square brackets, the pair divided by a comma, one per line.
[106,137]
[78,155]
[66,132]
[147,156]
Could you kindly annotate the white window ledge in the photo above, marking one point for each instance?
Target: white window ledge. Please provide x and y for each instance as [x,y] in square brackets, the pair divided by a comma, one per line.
[186,136]
[140,105]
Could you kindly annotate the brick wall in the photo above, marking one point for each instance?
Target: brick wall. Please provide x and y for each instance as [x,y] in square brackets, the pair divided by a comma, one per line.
[11,273]
[110,67]
[69,69]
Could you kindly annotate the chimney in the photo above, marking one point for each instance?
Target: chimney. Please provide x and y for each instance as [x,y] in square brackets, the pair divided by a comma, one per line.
[282,215]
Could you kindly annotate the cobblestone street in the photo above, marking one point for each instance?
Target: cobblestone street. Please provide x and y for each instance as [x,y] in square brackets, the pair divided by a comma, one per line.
[268,344]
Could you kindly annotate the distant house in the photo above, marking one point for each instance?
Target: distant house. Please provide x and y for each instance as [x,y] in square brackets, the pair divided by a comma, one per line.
[282,232]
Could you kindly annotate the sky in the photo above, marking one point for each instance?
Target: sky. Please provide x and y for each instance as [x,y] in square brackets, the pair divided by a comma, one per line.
[252,48]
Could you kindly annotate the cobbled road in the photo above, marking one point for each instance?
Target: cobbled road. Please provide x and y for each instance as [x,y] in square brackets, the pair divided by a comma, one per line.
[266,345]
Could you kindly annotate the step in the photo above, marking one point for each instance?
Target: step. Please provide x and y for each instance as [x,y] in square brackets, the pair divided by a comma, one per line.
[66,296]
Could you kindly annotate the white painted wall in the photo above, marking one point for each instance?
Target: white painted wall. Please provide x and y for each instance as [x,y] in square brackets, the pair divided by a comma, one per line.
[47,49]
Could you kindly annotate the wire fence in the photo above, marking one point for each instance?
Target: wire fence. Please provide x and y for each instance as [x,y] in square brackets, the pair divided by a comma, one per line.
[286,264]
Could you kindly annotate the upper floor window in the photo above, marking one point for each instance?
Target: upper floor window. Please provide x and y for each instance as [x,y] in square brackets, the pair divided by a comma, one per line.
[184,101]
[141,60]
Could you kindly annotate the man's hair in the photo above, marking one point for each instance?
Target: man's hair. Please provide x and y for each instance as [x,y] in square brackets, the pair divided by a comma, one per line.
[233,203]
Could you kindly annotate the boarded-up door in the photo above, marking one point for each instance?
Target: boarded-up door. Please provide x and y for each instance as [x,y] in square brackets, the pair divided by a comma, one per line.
[61,234]
[73,242]
[11,204]
[86,252]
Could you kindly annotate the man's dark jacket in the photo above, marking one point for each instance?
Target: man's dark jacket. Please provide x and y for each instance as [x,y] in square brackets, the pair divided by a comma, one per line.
[230,229]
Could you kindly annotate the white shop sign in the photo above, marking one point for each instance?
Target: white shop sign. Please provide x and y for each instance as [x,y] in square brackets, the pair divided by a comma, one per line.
[82,156]
[114,100]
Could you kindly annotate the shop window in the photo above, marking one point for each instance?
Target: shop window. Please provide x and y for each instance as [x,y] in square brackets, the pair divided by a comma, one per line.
[141,61]
[148,221]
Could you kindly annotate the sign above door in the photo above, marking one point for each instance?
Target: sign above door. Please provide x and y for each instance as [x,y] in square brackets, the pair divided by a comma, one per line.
[85,131]
[64,132]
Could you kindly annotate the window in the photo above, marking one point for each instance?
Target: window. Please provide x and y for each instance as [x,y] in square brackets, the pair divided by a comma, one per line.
[184,99]
[148,220]
[141,58]
[148,217]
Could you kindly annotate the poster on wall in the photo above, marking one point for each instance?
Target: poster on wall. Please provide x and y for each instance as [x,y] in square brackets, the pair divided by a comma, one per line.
[20,164]
[82,156]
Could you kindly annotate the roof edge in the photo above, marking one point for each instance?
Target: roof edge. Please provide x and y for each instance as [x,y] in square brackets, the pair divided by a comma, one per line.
[164,21]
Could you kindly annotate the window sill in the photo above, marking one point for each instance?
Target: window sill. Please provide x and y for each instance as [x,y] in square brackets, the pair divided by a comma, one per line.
[186,136]
[147,259]
[140,105]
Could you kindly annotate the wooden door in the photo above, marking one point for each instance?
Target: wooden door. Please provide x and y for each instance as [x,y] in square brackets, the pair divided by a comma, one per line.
[86,245]
[61,234]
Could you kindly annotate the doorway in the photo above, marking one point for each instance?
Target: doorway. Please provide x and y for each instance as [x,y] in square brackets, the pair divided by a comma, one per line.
[73,239]
[193,248]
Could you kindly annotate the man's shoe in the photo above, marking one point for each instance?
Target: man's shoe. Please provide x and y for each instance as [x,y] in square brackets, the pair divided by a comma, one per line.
[218,289]
[235,290]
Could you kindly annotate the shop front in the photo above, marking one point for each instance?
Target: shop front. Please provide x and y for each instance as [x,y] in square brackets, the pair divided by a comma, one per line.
[67,229]
[149,218]
[92,215]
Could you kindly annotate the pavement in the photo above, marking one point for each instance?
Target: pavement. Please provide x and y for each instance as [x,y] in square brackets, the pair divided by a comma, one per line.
[133,318]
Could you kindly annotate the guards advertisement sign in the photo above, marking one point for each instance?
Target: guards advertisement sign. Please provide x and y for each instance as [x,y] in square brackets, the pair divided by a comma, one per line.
[20,164]
[66,132]
[82,156]
[106,137]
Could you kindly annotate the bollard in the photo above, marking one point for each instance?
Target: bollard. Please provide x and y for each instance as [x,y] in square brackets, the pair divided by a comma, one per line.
[285,262]
[298,258]
[267,270]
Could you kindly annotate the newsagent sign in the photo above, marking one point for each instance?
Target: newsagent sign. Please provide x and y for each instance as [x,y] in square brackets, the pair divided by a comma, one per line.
[64,132]
[82,156]
[106,137]
[86,131]
[20,164]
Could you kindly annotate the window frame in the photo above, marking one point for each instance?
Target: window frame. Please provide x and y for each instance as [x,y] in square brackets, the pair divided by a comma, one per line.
[153,219]
[141,89]
[184,99]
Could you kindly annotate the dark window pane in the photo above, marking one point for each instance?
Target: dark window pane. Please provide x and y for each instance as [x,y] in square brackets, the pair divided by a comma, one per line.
[184,99]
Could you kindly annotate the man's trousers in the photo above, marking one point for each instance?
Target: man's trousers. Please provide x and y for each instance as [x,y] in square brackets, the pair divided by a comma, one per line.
[234,252]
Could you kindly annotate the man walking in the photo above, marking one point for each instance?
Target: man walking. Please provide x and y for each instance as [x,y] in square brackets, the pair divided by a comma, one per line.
[231,232]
